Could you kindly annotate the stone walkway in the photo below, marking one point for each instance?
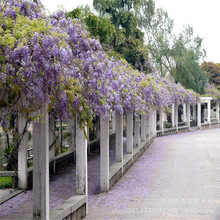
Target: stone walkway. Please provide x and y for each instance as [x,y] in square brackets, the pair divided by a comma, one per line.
[178,177]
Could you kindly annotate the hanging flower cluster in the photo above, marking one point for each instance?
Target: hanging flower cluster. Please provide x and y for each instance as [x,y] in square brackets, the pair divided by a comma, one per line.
[53,60]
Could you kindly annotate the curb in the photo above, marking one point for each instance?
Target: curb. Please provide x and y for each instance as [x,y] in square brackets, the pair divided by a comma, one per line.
[9,196]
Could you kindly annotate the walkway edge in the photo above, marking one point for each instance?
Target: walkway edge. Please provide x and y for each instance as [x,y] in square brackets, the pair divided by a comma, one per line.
[9,196]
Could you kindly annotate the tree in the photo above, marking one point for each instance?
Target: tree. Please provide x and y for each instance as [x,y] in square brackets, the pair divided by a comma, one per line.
[189,73]
[213,70]
[178,55]
[128,39]
[100,28]
[187,53]
[158,29]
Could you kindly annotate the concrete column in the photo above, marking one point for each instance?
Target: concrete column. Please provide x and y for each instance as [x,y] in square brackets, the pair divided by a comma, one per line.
[52,137]
[52,141]
[155,123]
[98,128]
[161,121]
[194,112]
[199,115]
[41,167]
[88,140]
[61,133]
[184,113]
[113,121]
[188,115]
[173,115]
[81,161]
[137,131]
[151,125]
[143,128]
[148,127]
[209,111]
[72,129]
[176,117]
[104,155]
[130,133]
[217,111]
[119,138]
[22,154]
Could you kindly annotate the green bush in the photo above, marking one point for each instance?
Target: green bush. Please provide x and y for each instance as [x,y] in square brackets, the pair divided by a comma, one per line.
[5,182]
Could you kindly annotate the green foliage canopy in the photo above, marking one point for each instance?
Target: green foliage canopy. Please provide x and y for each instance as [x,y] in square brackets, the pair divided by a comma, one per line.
[178,55]
[213,70]
[117,29]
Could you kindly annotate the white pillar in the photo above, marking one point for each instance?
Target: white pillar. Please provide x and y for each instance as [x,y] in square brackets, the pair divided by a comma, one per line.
[173,115]
[113,121]
[184,113]
[194,112]
[130,133]
[88,141]
[72,130]
[22,154]
[176,117]
[104,155]
[52,137]
[98,128]
[61,133]
[81,161]
[52,141]
[209,111]
[161,121]
[119,138]
[151,125]
[148,127]
[143,128]
[155,123]
[137,131]
[188,115]
[41,167]
[217,111]
[199,115]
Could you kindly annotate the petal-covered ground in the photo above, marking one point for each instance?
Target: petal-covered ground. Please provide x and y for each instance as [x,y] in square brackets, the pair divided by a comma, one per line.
[62,187]
[176,177]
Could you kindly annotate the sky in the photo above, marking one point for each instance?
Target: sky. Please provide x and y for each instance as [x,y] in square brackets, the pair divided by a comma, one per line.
[202,15]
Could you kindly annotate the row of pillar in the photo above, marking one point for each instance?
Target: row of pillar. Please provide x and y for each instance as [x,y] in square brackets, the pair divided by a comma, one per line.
[186,114]
[142,129]
[199,118]
[22,164]
[209,111]
[43,137]
[41,141]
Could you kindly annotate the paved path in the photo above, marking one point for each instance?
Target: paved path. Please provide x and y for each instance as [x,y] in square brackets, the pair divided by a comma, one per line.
[178,177]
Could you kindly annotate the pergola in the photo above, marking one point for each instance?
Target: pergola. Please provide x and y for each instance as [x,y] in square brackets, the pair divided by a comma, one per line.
[140,132]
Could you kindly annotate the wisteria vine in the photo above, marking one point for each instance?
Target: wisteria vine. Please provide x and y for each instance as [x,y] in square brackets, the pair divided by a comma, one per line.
[52,59]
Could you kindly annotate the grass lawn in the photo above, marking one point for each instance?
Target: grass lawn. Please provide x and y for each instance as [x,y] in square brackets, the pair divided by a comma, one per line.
[5,182]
